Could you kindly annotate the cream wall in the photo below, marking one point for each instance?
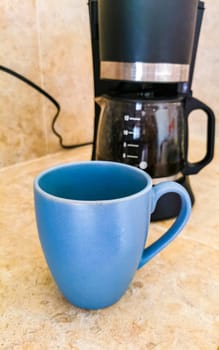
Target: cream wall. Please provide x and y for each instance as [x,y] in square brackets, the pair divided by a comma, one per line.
[206,76]
[49,43]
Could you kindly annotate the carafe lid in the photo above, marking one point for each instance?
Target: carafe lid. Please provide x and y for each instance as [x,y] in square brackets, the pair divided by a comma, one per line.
[135,98]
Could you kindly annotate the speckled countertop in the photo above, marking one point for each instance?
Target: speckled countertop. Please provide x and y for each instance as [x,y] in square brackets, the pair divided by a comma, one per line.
[172,303]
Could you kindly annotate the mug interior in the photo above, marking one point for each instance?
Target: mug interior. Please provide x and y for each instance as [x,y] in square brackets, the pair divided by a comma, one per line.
[92,181]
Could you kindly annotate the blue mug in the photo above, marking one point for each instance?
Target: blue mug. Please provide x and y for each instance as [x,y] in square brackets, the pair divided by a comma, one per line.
[93,220]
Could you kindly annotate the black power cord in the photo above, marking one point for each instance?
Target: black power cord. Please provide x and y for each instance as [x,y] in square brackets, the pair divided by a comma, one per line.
[56,104]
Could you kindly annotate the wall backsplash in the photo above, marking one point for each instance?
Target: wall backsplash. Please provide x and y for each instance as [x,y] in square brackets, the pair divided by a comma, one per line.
[49,43]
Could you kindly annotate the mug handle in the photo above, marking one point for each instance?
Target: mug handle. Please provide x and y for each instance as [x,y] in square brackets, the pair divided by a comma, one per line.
[158,191]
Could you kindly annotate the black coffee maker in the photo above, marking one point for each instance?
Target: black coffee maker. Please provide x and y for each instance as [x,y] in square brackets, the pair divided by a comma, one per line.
[143,60]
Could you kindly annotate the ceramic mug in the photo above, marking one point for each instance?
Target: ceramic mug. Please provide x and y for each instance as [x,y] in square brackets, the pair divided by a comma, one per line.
[93,220]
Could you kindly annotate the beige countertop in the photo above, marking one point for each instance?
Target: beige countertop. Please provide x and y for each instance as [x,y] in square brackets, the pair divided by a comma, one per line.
[172,303]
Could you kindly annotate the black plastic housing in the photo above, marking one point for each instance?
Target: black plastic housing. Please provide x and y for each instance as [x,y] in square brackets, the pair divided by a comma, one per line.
[139,31]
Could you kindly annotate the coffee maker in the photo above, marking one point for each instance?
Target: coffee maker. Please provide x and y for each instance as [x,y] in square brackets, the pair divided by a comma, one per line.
[144,55]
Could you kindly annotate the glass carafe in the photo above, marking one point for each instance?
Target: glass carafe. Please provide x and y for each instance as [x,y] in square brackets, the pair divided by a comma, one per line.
[151,134]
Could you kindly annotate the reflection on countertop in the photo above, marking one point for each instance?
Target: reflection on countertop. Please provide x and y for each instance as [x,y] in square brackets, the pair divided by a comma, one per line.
[172,303]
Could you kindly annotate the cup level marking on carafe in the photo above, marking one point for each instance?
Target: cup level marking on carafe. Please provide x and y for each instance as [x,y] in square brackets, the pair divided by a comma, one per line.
[143,165]
[127,132]
[128,117]
[125,144]
[129,156]
[138,106]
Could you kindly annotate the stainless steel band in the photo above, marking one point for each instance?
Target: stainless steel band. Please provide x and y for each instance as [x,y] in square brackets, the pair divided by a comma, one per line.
[145,72]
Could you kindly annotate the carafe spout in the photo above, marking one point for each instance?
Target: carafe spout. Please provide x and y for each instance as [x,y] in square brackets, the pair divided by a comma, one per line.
[101,101]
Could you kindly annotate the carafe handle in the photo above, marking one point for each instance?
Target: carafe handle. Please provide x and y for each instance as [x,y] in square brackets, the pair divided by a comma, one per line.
[192,104]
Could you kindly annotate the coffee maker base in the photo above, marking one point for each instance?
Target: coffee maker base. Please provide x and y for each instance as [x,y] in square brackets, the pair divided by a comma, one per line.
[169,205]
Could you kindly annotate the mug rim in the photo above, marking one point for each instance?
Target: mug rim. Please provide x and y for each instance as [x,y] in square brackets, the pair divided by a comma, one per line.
[55,198]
